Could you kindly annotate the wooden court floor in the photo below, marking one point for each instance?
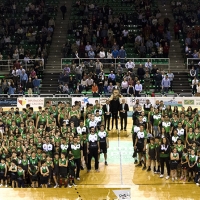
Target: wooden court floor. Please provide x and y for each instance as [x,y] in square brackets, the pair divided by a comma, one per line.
[120,174]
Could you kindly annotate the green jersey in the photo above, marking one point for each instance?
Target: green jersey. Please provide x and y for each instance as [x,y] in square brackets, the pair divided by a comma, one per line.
[192,159]
[2,168]
[20,174]
[174,123]
[42,119]
[156,119]
[166,126]
[44,169]
[76,150]
[62,161]
[33,161]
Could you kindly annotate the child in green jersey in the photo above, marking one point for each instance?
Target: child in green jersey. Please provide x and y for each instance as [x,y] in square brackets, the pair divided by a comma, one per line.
[44,171]
[33,172]
[151,151]
[3,172]
[184,164]
[71,169]
[192,161]
[174,157]
[20,176]
[197,172]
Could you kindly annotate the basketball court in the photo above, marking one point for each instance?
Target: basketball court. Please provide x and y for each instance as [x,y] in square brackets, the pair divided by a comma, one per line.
[119,177]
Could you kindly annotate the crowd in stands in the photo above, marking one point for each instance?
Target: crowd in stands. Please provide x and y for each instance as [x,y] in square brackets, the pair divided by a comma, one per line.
[26,29]
[187,27]
[102,32]
[22,81]
[90,76]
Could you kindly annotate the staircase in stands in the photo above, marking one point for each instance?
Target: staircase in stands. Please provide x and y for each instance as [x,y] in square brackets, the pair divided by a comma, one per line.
[177,65]
[53,67]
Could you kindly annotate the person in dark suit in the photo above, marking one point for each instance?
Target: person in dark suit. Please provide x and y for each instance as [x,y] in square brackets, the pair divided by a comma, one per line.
[123,109]
[114,109]
[107,114]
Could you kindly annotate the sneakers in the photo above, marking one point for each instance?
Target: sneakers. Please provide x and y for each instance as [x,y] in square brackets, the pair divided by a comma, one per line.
[138,165]
[181,178]
[56,186]
[73,184]
[97,170]
[161,176]
[1,185]
[136,162]
[167,177]
[197,184]
[106,163]
[176,178]
[144,168]
[78,179]
[69,186]
[158,171]
[6,186]
[149,169]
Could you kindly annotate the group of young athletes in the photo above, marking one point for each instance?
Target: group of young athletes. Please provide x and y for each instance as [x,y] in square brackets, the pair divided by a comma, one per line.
[51,145]
[165,136]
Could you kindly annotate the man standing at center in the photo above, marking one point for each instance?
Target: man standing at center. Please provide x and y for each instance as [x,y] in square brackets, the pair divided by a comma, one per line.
[124,108]
[114,108]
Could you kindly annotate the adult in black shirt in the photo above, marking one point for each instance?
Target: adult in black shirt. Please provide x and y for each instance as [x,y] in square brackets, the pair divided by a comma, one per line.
[140,72]
[63,9]
[114,108]
[158,80]
[107,114]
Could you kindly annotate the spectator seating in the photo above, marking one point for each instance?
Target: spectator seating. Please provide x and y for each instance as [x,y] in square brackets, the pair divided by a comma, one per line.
[26,30]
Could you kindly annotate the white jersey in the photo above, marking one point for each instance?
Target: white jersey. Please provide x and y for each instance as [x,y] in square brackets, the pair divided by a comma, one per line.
[180,132]
[102,134]
[98,119]
[80,130]
[93,123]
[100,111]
[93,138]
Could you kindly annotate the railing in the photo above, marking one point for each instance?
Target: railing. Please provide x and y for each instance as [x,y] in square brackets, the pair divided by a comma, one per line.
[192,62]
[2,96]
[7,65]
[115,61]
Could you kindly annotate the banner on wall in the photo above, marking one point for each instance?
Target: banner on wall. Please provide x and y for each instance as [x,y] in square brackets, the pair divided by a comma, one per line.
[85,100]
[142,100]
[54,101]
[172,101]
[8,102]
[34,102]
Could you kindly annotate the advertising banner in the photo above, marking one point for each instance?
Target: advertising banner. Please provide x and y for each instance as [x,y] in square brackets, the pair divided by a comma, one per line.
[142,100]
[54,101]
[34,102]
[172,101]
[85,100]
[8,102]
